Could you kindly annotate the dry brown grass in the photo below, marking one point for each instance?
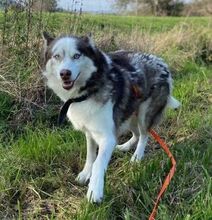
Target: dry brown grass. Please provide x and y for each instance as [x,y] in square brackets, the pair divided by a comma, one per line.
[177,46]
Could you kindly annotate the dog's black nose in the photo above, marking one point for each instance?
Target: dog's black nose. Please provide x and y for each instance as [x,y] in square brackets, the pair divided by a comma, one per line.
[65,74]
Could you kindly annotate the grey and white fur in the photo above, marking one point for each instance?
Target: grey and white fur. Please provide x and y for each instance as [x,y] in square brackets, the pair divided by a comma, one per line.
[109,106]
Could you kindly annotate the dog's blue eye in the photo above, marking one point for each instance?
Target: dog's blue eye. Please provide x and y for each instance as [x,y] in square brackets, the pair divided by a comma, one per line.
[57,56]
[76,56]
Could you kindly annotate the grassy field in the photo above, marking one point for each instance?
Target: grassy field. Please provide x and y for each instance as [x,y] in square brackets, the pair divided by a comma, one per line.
[39,161]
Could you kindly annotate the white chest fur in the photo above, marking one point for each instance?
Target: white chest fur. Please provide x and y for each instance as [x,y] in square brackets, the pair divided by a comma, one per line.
[90,115]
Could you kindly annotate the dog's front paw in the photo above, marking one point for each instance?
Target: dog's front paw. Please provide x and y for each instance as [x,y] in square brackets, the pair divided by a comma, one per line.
[136,157]
[95,196]
[83,177]
[95,192]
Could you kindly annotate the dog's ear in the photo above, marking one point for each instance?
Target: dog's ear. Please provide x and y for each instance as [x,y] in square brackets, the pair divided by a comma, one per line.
[47,38]
[89,40]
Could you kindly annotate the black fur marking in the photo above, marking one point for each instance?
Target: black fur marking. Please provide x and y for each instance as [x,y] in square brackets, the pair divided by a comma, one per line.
[164,75]
[98,78]
[122,60]
[131,106]
[94,54]
[126,102]
[94,82]
[159,95]
[117,94]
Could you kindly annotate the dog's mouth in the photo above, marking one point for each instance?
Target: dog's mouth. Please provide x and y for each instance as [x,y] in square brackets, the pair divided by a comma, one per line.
[68,84]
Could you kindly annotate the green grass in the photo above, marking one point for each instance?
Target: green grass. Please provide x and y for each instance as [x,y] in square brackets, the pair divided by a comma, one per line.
[87,23]
[39,161]
[152,24]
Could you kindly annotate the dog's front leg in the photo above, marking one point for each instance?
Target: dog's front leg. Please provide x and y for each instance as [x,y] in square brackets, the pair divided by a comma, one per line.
[96,185]
[85,174]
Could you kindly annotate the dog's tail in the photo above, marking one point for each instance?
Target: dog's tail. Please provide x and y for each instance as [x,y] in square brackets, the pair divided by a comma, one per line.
[173,103]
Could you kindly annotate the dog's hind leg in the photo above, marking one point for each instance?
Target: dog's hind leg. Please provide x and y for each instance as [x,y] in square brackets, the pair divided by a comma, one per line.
[130,143]
[85,174]
[150,113]
[143,134]
[139,152]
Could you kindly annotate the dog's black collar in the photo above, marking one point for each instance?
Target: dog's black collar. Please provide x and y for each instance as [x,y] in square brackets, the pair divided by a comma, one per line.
[64,109]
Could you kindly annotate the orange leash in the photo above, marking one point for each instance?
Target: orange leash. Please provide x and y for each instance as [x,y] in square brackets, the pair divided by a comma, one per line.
[168,177]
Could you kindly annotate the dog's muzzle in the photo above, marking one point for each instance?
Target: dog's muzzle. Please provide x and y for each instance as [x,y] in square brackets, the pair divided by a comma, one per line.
[66,78]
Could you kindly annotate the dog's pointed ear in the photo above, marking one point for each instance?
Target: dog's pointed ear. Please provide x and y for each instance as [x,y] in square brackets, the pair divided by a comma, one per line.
[89,40]
[47,38]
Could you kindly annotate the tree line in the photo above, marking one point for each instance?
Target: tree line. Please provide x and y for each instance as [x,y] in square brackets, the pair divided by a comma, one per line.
[36,5]
[166,7]
[136,7]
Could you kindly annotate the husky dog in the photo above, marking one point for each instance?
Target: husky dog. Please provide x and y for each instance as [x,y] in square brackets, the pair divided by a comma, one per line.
[110,94]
